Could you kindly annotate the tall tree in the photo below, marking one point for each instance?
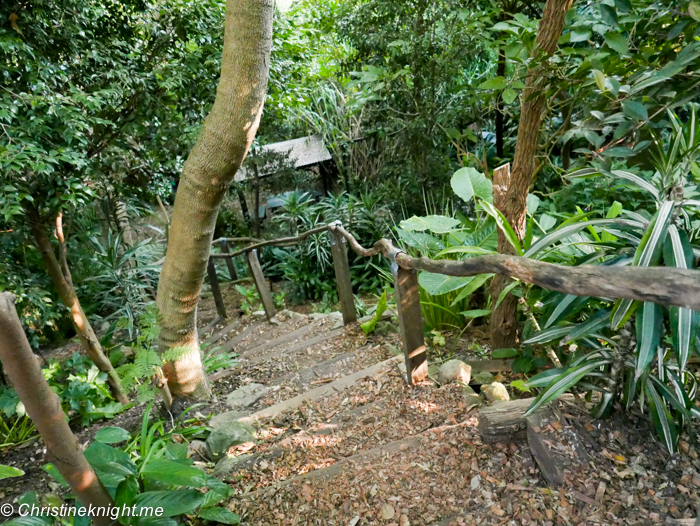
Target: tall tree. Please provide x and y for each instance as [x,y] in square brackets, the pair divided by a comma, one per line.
[225,139]
[514,208]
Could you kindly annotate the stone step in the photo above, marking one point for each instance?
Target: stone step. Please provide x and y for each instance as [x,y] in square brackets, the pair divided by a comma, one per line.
[258,348]
[311,395]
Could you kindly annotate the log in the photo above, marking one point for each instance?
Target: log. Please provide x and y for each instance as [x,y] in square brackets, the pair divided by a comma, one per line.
[411,322]
[263,291]
[216,289]
[505,422]
[663,285]
[44,408]
[556,447]
[342,278]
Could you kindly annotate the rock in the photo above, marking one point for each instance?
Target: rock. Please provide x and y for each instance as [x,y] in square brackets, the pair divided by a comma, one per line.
[471,396]
[393,349]
[246,396]
[384,328]
[292,314]
[454,371]
[226,436]
[316,316]
[433,369]
[258,314]
[227,466]
[388,512]
[197,448]
[495,392]
[335,315]
[226,418]
[482,378]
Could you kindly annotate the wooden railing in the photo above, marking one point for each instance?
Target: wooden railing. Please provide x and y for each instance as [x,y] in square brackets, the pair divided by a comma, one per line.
[663,285]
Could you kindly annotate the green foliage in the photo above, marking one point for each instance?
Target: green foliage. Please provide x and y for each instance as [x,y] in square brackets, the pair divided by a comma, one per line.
[152,470]
[251,299]
[82,391]
[649,370]
[370,325]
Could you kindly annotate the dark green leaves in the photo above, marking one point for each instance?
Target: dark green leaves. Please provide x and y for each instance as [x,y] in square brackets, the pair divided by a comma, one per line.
[174,473]
[469,183]
[649,328]
[617,41]
[112,435]
[635,110]
[173,502]
[220,515]
[7,472]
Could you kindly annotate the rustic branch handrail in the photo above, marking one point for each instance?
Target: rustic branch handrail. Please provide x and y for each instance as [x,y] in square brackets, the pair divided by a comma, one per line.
[664,285]
[283,241]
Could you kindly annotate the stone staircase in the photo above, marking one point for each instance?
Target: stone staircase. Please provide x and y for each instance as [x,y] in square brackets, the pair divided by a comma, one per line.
[324,430]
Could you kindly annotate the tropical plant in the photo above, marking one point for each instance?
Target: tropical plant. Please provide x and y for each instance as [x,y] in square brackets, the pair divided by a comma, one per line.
[151,469]
[645,364]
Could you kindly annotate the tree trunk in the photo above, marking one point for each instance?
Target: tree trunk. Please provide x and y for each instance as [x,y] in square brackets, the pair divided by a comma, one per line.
[63,282]
[226,136]
[531,107]
[44,408]
[504,321]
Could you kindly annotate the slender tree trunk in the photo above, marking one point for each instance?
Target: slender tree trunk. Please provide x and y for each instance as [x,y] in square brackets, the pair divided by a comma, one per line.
[226,137]
[531,108]
[63,282]
[44,408]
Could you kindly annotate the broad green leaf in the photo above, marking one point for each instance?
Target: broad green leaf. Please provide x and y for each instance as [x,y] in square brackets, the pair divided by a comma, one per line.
[7,472]
[497,83]
[53,471]
[465,250]
[499,354]
[635,110]
[563,383]
[603,408]
[370,325]
[618,42]
[218,491]
[475,313]
[650,247]
[173,502]
[663,422]
[29,520]
[649,328]
[509,95]
[112,435]
[694,11]
[503,224]
[469,183]
[174,473]
[436,224]
[219,515]
[608,14]
[533,203]
[424,242]
[471,287]
[599,77]
[437,284]
[614,210]
[126,491]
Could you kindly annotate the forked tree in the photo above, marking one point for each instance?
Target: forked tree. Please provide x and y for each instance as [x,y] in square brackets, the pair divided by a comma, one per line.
[514,208]
[224,141]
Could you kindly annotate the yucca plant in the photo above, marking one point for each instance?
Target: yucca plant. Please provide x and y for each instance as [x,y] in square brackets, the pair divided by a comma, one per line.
[635,354]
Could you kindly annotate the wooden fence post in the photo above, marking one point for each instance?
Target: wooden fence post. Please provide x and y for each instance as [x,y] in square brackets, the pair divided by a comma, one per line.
[411,322]
[215,289]
[260,284]
[342,277]
[44,408]
[223,243]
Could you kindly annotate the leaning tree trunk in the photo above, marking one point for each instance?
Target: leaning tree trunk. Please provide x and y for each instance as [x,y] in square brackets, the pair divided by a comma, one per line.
[514,202]
[44,408]
[63,282]
[226,136]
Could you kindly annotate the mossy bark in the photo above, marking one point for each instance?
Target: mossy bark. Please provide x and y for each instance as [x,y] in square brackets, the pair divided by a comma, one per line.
[224,141]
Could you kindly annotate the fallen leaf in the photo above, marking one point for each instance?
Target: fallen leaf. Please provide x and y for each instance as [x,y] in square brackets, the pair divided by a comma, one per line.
[388,512]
